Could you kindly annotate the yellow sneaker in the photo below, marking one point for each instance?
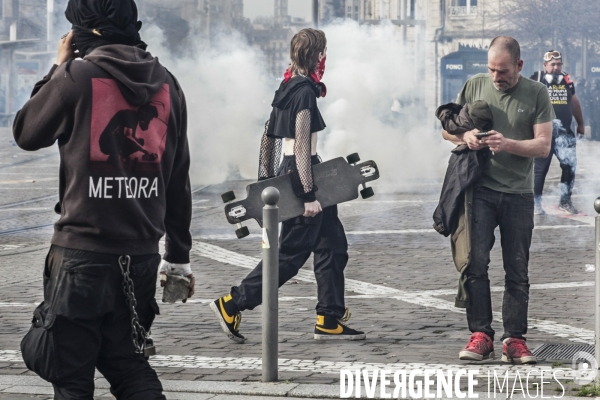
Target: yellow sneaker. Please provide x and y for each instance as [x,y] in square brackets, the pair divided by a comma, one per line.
[331,328]
[229,317]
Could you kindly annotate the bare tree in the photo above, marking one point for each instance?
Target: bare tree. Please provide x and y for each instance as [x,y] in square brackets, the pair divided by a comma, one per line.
[557,24]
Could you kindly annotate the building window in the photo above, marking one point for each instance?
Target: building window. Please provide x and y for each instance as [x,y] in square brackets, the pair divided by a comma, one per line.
[462,8]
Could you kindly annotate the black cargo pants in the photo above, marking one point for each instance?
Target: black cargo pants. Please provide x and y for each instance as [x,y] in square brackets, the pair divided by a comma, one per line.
[87,324]
[322,235]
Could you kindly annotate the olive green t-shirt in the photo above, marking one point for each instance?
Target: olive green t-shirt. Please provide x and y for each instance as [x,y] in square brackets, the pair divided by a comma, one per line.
[515,112]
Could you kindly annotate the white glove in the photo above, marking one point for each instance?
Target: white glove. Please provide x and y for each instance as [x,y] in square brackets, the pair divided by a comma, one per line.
[174,269]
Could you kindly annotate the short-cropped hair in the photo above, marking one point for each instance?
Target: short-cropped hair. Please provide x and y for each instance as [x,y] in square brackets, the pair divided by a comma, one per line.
[509,45]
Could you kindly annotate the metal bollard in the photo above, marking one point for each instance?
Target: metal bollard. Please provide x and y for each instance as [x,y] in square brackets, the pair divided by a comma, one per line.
[270,302]
[597,341]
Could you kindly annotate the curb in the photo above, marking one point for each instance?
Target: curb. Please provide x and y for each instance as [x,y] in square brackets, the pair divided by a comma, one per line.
[174,389]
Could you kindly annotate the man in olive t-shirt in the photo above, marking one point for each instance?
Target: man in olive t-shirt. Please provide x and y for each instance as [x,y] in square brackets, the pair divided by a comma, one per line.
[503,196]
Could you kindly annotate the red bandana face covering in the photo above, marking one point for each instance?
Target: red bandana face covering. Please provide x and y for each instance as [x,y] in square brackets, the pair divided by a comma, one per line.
[317,75]
[319,71]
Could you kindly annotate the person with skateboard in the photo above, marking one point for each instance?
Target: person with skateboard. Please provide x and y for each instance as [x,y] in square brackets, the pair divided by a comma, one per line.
[294,123]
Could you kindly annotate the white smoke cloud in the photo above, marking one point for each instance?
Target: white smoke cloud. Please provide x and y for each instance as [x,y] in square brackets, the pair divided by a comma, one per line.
[369,73]
[374,105]
[228,98]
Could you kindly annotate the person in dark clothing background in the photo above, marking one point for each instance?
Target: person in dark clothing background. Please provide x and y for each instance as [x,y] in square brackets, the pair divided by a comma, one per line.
[566,106]
[295,120]
[111,217]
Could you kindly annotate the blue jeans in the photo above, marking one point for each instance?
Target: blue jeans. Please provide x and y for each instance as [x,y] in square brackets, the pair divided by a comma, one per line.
[513,213]
[564,147]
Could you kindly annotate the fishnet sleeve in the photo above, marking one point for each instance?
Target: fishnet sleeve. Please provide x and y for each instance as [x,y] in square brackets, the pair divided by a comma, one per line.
[302,152]
[270,154]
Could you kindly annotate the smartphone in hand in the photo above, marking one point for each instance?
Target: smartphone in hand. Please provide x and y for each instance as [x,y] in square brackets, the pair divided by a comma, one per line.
[481,135]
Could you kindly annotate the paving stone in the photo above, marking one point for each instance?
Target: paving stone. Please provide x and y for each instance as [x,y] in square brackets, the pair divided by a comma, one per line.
[397,331]
[194,396]
[230,397]
[12,380]
[261,389]
[29,390]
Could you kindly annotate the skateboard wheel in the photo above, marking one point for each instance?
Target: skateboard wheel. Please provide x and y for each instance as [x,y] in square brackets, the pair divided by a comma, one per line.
[242,232]
[367,192]
[228,196]
[353,158]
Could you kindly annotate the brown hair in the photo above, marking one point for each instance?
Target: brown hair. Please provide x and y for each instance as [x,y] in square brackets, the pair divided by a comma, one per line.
[305,48]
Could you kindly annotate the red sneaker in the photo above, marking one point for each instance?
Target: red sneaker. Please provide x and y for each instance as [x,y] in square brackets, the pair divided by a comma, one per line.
[480,347]
[515,350]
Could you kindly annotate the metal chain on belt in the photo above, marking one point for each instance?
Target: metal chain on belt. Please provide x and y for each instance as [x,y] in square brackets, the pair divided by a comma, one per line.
[138,333]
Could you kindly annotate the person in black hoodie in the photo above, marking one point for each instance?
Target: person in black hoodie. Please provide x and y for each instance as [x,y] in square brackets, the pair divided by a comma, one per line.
[120,121]
[295,121]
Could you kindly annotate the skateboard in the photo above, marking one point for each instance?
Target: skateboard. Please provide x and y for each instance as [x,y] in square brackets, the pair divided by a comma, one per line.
[336,179]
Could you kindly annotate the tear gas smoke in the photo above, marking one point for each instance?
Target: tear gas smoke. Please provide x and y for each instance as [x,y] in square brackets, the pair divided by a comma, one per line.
[228,100]
[374,105]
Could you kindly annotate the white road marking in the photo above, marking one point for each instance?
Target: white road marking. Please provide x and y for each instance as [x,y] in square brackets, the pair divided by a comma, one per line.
[49,188]
[546,227]
[431,230]
[389,232]
[391,201]
[324,367]
[4,173]
[10,304]
[229,257]
[333,367]
[4,247]
[534,286]
[20,181]
[437,292]
[419,298]
[579,335]
[562,285]
[226,236]
[49,208]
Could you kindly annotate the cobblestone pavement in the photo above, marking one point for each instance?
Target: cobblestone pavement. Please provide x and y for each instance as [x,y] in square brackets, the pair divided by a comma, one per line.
[400,289]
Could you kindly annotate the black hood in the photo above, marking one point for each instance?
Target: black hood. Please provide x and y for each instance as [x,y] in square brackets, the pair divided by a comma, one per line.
[286,90]
[139,75]
[100,22]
